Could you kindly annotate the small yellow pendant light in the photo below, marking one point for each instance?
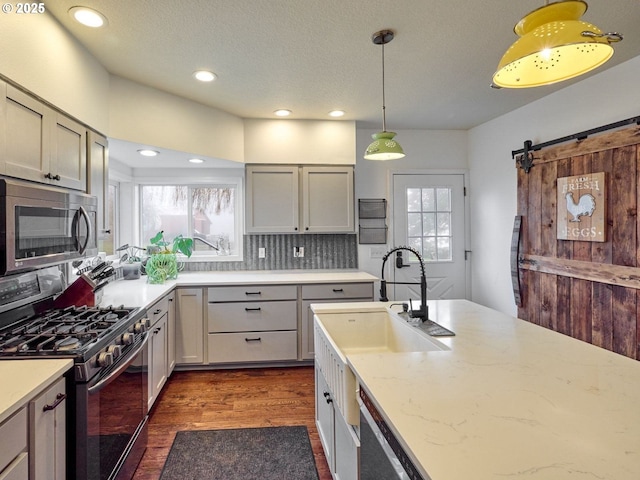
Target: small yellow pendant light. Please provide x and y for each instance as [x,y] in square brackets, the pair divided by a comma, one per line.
[554,45]
[383,147]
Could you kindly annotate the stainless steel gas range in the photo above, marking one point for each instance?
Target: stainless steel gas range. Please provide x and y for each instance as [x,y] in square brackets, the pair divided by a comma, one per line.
[107,388]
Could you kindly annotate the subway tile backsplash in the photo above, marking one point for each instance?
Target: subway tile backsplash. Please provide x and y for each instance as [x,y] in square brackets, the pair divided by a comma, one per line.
[321,251]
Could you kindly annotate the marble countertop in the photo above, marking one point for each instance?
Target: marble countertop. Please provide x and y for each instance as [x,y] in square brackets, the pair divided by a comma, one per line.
[138,293]
[23,380]
[509,400]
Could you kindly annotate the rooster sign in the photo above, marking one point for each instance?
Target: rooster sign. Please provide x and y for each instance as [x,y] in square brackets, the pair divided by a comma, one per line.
[581,204]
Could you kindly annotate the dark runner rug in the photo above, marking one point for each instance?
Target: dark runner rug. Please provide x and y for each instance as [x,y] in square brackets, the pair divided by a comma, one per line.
[270,453]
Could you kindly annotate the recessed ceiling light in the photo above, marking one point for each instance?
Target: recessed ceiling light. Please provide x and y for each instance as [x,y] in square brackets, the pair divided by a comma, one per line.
[204,75]
[88,17]
[196,160]
[282,113]
[148,153]
[336,113]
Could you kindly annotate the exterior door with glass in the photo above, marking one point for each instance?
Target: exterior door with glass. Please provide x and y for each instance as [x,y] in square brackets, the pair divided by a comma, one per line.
[429,215]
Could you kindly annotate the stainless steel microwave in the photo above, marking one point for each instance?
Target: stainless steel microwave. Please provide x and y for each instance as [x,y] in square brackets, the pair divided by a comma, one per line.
[44,226]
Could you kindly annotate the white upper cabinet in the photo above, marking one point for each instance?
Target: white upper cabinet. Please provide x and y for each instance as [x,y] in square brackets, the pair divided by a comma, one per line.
[98,181]
[272,199]
[39,143]
[291,199]
[327,199]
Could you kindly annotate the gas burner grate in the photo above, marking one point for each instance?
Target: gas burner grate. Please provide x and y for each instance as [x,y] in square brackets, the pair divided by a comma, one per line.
[69,330]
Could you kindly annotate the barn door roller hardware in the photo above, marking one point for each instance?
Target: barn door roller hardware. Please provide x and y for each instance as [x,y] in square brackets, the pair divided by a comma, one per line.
[526,160]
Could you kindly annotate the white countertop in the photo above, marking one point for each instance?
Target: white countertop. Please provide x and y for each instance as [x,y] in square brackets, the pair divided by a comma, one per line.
[509,400]
[138,293]
[22,380]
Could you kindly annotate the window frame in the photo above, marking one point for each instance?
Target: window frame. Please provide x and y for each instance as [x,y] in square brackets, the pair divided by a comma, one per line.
[214,182]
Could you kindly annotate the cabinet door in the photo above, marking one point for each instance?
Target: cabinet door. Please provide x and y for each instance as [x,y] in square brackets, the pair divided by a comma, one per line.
[158,359]
[347,449]
[272,199]
[27,136]
[69,154]
[171,334]
[325,419]
[190,326]
[47,434]
[327,199]
[98,181]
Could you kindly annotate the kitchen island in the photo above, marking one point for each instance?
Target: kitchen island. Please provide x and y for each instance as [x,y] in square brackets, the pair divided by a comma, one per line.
[506,399]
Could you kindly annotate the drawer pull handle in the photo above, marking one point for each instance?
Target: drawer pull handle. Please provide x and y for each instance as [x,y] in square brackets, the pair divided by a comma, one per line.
[59,399]
[253,293]
[252,339]
[157,311]
[253,309]
[338,290]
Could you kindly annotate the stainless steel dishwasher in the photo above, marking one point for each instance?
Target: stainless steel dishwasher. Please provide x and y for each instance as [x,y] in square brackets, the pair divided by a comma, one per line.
[381,455]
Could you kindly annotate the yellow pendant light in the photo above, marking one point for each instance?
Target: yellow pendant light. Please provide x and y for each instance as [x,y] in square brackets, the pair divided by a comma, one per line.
[554,45]
[383,147]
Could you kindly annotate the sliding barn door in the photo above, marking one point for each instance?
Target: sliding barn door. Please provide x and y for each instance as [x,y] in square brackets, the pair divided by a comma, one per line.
[589,287]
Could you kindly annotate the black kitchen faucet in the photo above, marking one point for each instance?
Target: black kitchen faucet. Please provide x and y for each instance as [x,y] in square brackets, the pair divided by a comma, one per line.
[423,311]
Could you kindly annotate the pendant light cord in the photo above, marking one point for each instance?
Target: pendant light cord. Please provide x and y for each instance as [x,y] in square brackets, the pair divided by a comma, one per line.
[384,116]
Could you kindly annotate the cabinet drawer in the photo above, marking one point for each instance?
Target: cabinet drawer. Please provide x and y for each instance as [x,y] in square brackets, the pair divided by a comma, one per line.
[252,316]
[337,291]
[244,293]
[253,347]
[158,309]
[13,437]
[18,470]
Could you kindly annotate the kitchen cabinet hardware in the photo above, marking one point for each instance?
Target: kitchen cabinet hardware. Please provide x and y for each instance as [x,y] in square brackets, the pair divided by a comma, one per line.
[338,290]
[156,312]
[50,176]
[252,339]
[253,293]
[59,399]
[254,309]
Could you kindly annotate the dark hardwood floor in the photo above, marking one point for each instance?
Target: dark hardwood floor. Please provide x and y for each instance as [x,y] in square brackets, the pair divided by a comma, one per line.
[215,399]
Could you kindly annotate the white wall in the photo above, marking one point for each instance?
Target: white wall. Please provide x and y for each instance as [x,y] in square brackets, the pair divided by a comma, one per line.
[604,98]
[300,141]
[145,115]
[426,150]
[41,56]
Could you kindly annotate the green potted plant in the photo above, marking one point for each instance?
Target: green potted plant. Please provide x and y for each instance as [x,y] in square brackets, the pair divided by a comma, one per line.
[162,263]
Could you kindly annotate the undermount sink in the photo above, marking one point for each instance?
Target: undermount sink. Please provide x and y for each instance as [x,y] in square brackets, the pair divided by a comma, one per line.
[337,335]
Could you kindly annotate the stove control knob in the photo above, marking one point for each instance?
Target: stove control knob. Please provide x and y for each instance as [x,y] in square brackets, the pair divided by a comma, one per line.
[127,338]
[105,359]
[114,350]
[140,327]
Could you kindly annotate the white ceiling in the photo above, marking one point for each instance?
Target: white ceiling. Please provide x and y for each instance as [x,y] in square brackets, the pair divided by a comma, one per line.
[313,56]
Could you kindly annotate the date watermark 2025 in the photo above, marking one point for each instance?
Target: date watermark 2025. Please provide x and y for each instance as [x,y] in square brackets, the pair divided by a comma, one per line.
[23,8]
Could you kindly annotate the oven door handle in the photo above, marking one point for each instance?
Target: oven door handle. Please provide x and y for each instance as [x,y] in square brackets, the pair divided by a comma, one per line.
[113,375]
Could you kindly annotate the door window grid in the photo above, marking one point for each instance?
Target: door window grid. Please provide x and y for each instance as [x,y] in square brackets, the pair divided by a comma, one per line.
[429,222]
